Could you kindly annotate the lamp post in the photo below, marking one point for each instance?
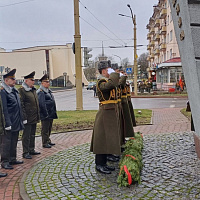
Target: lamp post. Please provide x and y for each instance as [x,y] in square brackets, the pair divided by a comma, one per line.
[135,53]
[64,76]
[119,58]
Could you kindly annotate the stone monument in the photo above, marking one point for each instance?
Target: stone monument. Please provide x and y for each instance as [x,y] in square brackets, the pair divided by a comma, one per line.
[186,18]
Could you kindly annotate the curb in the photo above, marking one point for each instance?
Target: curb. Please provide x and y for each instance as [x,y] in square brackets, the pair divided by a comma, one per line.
[153,96]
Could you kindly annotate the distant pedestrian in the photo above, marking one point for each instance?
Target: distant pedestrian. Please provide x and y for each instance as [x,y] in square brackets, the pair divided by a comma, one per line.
[47,110]
[13,121]
[30,108]
[95,90]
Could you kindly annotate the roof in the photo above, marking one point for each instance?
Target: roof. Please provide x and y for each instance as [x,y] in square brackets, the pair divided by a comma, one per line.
[173,60]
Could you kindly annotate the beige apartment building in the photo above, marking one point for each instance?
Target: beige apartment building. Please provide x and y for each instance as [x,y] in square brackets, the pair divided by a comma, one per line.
[164,59]
[57,60]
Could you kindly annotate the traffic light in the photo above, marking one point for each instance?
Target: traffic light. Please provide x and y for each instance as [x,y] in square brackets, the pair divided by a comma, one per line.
[87,56]
[139,69]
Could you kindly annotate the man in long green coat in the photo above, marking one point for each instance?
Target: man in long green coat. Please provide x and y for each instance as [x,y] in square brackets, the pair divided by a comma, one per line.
[2,129]
[106,132]
[30,108]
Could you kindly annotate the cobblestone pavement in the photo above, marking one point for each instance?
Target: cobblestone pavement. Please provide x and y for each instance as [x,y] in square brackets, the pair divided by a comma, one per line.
[171,171]
[77,165]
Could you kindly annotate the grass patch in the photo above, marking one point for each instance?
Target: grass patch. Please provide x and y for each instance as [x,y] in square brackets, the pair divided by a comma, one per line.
[81,120]
[186,114]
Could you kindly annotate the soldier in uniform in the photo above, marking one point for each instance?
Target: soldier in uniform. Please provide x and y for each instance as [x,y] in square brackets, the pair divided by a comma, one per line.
[13,120]
[106,131]
[30,108]
[130,104]
[128,124]
[47,110]
[2,130]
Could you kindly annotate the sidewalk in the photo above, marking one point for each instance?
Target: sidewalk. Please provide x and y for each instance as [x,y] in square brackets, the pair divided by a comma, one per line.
[70,174]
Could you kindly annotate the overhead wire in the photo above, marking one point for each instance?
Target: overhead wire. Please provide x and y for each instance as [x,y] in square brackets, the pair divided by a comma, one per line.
[99,30]
[101,22]
[12,4]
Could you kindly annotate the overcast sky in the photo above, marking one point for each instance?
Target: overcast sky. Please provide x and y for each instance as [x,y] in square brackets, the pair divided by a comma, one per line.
[26,23]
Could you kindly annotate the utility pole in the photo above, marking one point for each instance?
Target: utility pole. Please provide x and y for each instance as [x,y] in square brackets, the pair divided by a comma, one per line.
[77,40]
[135,53]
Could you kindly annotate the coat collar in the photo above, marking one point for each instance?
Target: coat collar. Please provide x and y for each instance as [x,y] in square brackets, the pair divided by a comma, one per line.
[26,87]
[8,89]
[102,77]
[47,90]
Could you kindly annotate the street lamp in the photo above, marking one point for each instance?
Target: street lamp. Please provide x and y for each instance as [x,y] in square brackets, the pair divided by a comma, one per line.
[135,53]
[64,75]
[119,58]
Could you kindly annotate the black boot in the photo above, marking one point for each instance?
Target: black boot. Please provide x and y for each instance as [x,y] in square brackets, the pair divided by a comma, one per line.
[102,169]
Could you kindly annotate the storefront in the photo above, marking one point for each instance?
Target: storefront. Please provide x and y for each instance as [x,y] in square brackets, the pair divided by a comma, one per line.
[168,73]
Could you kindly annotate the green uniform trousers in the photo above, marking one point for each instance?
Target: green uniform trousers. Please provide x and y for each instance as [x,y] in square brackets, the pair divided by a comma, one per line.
[28,138]
[46,130]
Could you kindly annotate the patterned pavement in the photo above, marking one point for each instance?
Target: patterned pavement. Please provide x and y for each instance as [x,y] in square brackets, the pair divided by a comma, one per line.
[66,171]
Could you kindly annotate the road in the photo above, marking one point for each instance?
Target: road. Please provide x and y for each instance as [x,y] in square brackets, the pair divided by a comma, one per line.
[66,100]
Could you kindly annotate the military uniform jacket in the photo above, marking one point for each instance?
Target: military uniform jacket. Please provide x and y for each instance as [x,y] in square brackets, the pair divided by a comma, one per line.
[106,131]
[46,103]
[128,125]
[130,105]
[2,120]
[30,104]
[12,108]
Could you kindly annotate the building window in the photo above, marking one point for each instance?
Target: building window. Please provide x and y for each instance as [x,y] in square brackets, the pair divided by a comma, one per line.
[167,55]
[168,20]
[164,56]
[170,53]
[170,36]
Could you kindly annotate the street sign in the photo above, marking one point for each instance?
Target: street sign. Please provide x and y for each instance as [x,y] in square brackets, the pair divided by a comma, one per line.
[129,70]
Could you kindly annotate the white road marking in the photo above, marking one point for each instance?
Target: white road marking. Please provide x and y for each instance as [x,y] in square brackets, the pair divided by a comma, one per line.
[172,106]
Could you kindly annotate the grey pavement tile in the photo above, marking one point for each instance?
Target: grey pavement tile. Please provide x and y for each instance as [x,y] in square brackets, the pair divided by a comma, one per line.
[171,171]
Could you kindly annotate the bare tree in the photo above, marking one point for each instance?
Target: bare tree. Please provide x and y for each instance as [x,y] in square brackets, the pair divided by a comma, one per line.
[125,62]
[90,73]
[143,62]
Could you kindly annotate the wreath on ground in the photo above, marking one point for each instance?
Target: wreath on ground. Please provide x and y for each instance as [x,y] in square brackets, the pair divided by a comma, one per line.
[131,161]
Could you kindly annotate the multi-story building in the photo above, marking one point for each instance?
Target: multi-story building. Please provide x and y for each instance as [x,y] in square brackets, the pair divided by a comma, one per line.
[164,58]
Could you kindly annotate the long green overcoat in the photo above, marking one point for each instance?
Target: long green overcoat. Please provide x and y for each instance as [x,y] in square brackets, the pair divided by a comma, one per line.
[128,125]
[30,105]
[2,120]
[130,105]
[106,132]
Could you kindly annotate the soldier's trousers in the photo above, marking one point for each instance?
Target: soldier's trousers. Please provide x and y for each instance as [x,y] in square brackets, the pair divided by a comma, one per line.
[9,146]
[101,159]
[46,130]
[28,138]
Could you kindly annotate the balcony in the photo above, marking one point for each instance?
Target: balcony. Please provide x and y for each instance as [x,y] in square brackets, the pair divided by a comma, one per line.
[152,31]
[163,47]
[148,47]
[157,37]
[157,23]
[163,13]
[152,44]
[163,30]
[148,36]
[148,58]
[152,56]
[157,52]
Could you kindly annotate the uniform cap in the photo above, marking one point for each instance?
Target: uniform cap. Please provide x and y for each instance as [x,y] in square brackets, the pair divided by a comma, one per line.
[104,64]
[10,74]
[44,78]
[30,76]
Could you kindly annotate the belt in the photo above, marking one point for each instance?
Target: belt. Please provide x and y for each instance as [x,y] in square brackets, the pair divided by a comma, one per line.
[108,102]
[118,100]
[124,96]
[128,95]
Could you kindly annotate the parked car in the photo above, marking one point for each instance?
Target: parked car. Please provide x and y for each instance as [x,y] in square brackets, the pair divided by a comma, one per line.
[91,85]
